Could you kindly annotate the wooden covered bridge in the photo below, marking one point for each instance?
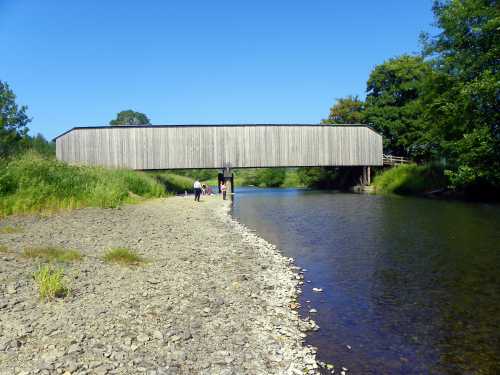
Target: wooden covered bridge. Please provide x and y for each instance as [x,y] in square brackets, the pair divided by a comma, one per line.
[156,147]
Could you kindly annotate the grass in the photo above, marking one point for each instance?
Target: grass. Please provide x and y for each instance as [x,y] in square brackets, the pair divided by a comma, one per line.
[10,229]
[50,282]
[52,254]
[3,249]
[410,179]
[31,183]
[174,183]
[124,256]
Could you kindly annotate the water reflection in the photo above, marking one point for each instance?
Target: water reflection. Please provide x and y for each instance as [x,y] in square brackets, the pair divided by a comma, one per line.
[411,285]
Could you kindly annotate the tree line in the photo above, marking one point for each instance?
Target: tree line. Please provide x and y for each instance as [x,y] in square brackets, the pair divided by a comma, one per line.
[442,105]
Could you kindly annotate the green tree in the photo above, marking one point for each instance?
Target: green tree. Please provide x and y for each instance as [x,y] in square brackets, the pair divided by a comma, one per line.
[462,98]
[348,110]
[393,105]
[13,122]
[130,117]
[40,145]
[271,177]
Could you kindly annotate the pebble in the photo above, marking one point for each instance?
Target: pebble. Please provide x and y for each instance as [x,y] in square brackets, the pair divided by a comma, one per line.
[142,338]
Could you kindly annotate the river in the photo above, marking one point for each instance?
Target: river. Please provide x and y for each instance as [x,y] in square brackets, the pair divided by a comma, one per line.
[410,285]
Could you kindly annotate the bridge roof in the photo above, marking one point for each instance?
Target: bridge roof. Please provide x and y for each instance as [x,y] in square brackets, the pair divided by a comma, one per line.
[202,125]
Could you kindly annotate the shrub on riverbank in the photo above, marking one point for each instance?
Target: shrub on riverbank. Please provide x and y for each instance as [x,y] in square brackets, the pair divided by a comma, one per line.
[31,183]
[410,179]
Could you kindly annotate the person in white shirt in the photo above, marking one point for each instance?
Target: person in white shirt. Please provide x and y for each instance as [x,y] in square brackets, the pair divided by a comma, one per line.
[197,190]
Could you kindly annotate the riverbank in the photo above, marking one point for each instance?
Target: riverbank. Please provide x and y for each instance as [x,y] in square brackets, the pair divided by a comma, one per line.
[212,298]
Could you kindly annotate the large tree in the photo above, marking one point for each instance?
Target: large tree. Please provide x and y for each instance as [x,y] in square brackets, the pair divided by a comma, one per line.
[393,104]
[462,99]
[130,117]
[348,110]
[13,122]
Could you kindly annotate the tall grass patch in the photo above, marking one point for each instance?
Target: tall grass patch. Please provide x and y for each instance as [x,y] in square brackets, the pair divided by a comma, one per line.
[50,282]
[52,254]
[123,256]
[410,179]
[31,183]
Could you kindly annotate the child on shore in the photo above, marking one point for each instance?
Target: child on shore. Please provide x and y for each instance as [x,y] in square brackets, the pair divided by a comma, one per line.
[223,189]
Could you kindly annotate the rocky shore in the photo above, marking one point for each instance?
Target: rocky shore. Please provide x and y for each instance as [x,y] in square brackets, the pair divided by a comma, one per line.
[212,298]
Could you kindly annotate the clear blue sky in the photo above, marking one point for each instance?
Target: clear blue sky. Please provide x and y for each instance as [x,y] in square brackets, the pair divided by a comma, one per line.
[180,62]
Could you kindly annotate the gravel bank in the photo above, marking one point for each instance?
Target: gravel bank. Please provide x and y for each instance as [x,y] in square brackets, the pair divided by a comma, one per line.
[213,298]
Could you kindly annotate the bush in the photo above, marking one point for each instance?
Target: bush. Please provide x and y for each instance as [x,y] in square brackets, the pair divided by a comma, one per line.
[410,179]
[50,283]
[32,183]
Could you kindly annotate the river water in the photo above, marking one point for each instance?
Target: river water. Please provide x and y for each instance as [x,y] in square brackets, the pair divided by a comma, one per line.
[411,286]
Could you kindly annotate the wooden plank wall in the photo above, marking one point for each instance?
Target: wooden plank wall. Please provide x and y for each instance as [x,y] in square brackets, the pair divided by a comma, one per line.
[205,146]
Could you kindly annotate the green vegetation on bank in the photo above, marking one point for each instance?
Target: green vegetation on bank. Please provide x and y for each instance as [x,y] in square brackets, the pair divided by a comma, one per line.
[410,179]
[173,183]
[32,183]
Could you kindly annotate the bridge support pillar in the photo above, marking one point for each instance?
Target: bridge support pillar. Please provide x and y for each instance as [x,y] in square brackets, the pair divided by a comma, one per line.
[226,177]
[366,176]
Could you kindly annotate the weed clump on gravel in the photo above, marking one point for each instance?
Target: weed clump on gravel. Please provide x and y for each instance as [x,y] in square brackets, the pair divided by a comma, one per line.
[54,254]
[50,283]
[3,249]
[10,229]
[123,256]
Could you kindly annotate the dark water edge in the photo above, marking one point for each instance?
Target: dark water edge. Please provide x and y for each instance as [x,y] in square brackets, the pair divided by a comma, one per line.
[411,285]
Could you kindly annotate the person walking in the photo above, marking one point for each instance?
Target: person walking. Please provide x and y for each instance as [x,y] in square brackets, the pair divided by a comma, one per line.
[223,189]
[197,190]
